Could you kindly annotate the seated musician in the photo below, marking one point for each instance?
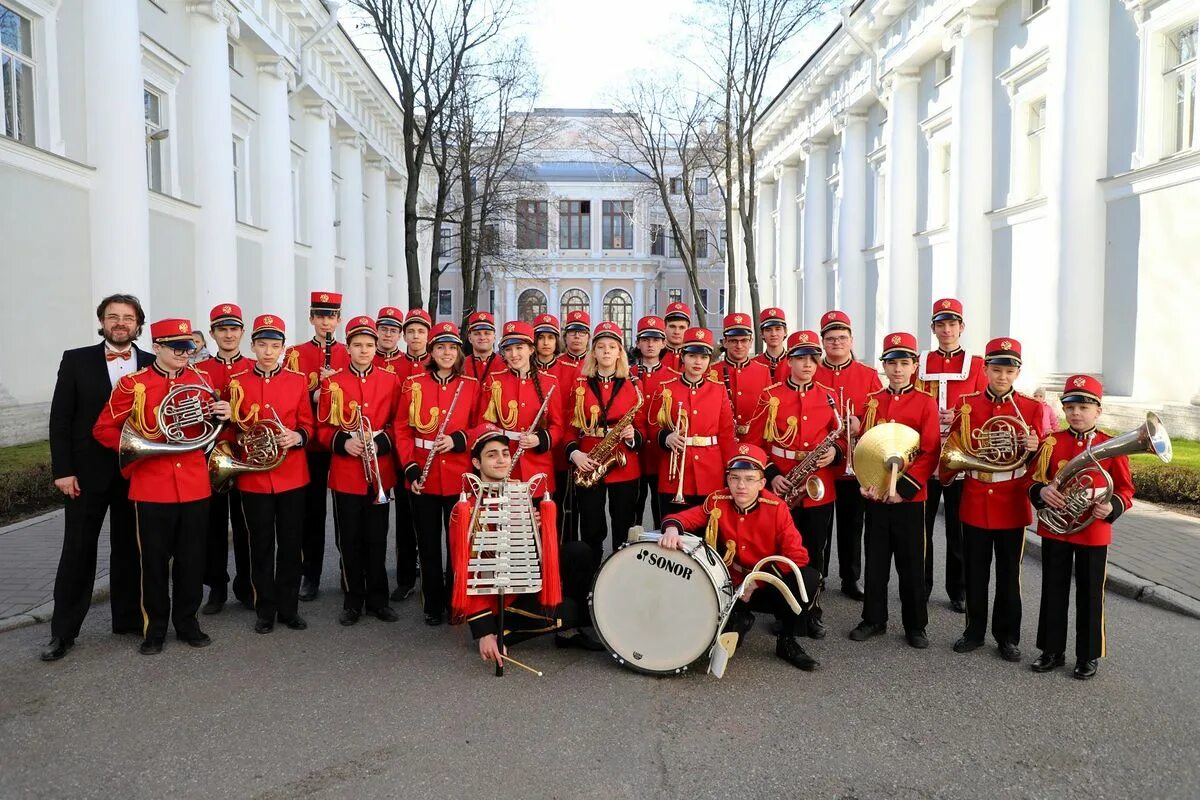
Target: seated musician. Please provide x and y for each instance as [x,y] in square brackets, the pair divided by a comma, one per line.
[747,523]
[560,605]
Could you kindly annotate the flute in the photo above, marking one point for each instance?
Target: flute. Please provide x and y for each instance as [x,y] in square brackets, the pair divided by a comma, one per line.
[521,448]
[441,431]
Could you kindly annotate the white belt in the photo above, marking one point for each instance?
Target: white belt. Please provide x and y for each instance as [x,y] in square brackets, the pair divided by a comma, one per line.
[794,455]
[996,477]
[425,444]
[700,441]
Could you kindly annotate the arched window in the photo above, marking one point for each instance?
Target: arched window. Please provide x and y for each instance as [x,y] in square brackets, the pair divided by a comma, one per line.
[530,303]
[574,300]
[618,308]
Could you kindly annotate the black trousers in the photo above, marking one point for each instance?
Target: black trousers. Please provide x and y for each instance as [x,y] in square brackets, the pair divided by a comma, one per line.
[312,542]
[955,569]
[896,530]
[814,525]
[431,518]
[76,576]
[224,509]
[576,566]
[850,507]
[361,530]
[647,492]
[978,546]
[668,506]
[1091,569]
[275,522]
[171,544]
[768,599]
[621,497]
[407,547]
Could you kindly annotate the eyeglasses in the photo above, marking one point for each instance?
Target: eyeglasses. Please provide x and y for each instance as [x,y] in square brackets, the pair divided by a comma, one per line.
[118,318]
[744,480]
[836,339]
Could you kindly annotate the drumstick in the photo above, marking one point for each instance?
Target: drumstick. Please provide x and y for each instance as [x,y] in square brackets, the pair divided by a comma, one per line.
[892,481]
[510,660]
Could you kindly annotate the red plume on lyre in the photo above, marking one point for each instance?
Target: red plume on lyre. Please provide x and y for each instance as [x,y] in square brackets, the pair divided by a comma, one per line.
[460,551]
[551,594]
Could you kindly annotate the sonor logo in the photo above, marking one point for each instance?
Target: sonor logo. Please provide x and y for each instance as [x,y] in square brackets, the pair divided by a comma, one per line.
[664,563]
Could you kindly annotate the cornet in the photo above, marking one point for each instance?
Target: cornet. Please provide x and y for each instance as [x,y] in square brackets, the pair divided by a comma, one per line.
[370,459]
[678,462]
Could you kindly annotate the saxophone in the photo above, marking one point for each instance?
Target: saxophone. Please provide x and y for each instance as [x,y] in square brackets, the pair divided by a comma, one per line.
[608,454]
[800,478]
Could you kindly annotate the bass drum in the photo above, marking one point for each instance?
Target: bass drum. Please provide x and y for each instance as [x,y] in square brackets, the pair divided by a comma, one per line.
[656,610]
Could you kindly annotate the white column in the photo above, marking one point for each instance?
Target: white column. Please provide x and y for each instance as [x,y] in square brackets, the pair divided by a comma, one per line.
[552,298]
[318,189]
[971,171]
[375,186]
[212,154]
[852,221]
[116,135]
[354,277]
[639,300]
[275,189]
[900,246]
[788,261]
[597,300]
[815,208]
[765,244]
[1077,101]
[397,266]
[510,303]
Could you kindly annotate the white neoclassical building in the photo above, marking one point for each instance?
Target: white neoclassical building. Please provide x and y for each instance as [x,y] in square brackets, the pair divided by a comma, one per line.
[1039,159]
[189,153]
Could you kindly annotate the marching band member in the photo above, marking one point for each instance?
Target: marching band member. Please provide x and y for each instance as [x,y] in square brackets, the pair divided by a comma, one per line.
[272,502]
[512,400]
[851,382]
[947,374]
[601,397]
[693,422]
[577,329]
[226,327]
[546,358]
[995,510]
[353,401]
[547,344]
[793,418]
[482,361]
[317,359]
[744,378]
[389,323]
[748,523]
[895,522]
[428,427]
[170,491]
[650,372]
[678,319]
[1086,550]
[772,328]
[416,329]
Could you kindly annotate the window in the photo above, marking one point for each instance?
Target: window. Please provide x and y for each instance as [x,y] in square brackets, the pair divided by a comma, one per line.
[1035,7]
[1034,130]
[942,217]
[618,308]
[1179,93]
[701,244]
[298,221]
[674,296]
[720,301]
[676,186]
[945,67]
[704,299]
[445,303]
[233,57]
[701,187]
[489,239]
[879,208]
[152,103]
[672,245]
[575,224]
[241,205]
[530,303]
[532,227]
[573,300]
[445,241]
[658,241]
[337,216]
[16,75]
[617,224]
[721,236]
[492,300]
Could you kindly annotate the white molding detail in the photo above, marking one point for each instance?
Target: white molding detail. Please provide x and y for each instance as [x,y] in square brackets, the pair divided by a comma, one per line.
[1173,171]
[173,206]
[1029,69]
[1018,213]
[45,164]
[220,11]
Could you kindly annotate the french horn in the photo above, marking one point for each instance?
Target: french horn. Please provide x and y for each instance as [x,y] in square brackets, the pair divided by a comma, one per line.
[260,451]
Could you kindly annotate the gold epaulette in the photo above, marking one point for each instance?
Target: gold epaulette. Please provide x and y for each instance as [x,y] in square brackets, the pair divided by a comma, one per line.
[823,386]
[768,501]
[712,376]
[1041,473]
[240,374]
[880,390]
[465,378]
[137,372]
[773,385]
[872,406]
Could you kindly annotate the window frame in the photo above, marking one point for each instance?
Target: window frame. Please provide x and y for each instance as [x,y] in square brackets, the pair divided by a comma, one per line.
[534,312]
[607,306]
[700,187]
[162,72]
[569,302]
[674,296]
[701,243]
[32,82]
[1034,8]
[537,236]
[1177,138]
[445,300]
[155,156]
[658,239]
[675,185]
[574,225]
[616,214]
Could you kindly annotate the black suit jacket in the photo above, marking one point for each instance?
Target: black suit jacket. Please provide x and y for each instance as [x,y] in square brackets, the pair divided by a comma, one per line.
[82,389]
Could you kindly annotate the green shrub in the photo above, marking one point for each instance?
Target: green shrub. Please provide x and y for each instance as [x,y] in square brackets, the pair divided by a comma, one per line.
[26,483]
[1166,483]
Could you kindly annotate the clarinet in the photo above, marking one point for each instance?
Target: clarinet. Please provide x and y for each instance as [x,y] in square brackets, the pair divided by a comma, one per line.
[449,413]
[328,350]
[521,448]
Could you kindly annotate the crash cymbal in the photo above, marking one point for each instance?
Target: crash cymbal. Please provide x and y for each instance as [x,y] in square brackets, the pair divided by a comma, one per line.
[879,448]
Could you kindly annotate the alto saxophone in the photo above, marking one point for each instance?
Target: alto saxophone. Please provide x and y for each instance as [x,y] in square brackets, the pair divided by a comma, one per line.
[802,478]
[608,454]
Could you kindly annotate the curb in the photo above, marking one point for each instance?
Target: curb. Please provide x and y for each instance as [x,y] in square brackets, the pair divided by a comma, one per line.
[1125,583]
[36,616]
[25,523]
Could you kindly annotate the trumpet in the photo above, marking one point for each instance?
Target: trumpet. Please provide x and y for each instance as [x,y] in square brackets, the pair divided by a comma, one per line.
[677,464]
[370,459]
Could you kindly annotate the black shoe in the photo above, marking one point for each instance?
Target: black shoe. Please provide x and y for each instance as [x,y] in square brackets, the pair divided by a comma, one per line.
[917,639]
[309,589]
[402,593]
[816,628]
[263,626]
[216,601]
[433,619]
[200,639]
[1048,661]
[385,614]
[57,648]
[866,630]
[296,623]
[965,645]
[787,648]
[348,616]
[1009,651]
[776,628]
[579,639]
[958,606]
[851,590]
[740,622]
[1085,670]
[151,647]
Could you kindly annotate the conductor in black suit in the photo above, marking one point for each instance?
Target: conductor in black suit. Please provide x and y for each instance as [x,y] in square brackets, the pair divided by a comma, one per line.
[89,476]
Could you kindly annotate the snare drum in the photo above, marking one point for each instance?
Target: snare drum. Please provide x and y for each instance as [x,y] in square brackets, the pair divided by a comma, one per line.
[658,610]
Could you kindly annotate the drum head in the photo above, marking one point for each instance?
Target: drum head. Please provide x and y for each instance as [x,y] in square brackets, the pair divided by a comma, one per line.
[656,610]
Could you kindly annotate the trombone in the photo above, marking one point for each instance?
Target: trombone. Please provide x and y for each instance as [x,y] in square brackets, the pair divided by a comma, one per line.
[677,465]
[370,459]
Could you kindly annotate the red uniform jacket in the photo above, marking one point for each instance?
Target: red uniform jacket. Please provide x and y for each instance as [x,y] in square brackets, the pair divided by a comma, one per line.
[671,358]
[744,536]
[512,401]
[424,401]
[391,362]
[710,419]
[851,383]
[480,368]
[217,371]
[281,395]
[565,371]
[1053,455]
[938,362]
[996,501]
[744,384]
[919,412]
[651,380]
[308,358]
[792,421]
[168,478]
[596,405]
[345,396]
[780,370]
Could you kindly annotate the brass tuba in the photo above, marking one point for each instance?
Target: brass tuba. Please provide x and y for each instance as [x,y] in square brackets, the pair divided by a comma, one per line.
[1086,484]
[260,452]
[997,446]
[608,454]
[185,406]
